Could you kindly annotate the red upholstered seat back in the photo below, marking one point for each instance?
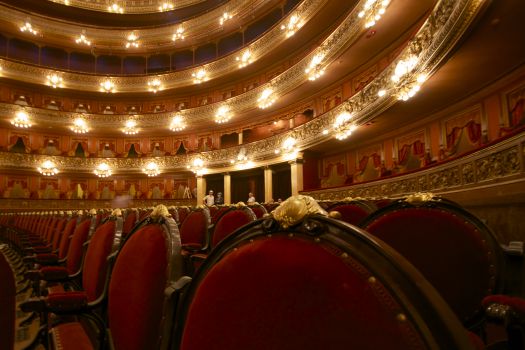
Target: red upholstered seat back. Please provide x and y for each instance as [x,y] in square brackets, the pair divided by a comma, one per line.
[7,305]
[218,213]
[57,234]
[194,228]
[64,238]
[258,210]
[455,252]
[183,213]
[229,222]
[76,250]
[279,289]
[353,212]
[95,262]
[136,290]
[129,222]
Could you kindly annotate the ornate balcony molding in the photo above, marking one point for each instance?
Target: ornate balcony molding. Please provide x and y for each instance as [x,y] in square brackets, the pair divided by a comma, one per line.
[131,6]
[197,28]
[438,35]
[498,164]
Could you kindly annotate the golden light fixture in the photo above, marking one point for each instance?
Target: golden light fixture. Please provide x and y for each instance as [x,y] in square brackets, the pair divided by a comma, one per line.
[178,35]
[27,27]
[222,115]
[197,166]
[225,17]
[107,86]
[342,126]
[54,80]
[404,67]
[242,162]
[154,85]
[266,99]
[294,24]
[83,39]
[410,88]
[244,59]
[48,168]
[130,128]
[79,126]
[151,169]
[21,120]
[315,69]
[132,41]
[177,123]
[372,11]
[288,149]
[103,170]
[166,6]
[200,76]
[115,8]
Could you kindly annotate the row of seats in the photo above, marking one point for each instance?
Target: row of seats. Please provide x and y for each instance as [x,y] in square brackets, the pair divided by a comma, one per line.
[294,279]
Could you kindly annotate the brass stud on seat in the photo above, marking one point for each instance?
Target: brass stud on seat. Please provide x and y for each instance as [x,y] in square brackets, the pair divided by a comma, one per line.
[372,280]
[401,317]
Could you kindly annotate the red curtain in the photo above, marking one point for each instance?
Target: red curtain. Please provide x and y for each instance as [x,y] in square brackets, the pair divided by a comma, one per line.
[474,131]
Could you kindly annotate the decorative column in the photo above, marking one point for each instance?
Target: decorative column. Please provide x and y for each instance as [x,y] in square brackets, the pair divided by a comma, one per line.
[268,185]
[296,167]
[227,188]
[201,189]
[240,137]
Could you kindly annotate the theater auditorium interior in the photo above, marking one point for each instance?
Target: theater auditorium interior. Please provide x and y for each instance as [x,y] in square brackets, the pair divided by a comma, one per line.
[262,174]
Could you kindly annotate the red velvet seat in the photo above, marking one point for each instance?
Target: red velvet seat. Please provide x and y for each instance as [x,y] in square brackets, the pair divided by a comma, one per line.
[130,220]
[217,213]
[194,229]
[300,282]
[183,213]
[454,250]
[230,221]
[258,209]
[353,212]
[148,264]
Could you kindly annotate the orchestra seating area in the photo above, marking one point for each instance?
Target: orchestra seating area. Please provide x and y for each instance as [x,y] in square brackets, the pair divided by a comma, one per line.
[418,272]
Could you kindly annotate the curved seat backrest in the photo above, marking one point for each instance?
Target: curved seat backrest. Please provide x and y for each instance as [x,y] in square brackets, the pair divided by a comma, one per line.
[319,284]
[270,206]
[59,229]
[183,213]
[258,209]
[95,266]
[65,237]
[218,213]
[453,249]
[148,262]
[194,228]
[130,221]
[76,247]
[353,212]
[230,221]
[7,305]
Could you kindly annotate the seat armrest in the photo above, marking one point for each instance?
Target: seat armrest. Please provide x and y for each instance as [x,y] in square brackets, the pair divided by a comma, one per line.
[54,273]
[67,302]
[46,259]
[33,305]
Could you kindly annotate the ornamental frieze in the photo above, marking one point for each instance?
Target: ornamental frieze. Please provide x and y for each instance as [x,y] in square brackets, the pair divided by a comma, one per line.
[496,163]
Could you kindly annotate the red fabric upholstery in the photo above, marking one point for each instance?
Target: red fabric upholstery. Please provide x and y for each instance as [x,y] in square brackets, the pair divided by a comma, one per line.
[46,259]
[218,214]
[58,233]
[183,213]
[53,273]
[74,255]
[67,301]
[95,262]
[64,239]
[258,210]
[194,228]
[129,223]
[352,213]
[136,290]
[448,250]
[70,336]
[292,294]
[7,305]
[228,223]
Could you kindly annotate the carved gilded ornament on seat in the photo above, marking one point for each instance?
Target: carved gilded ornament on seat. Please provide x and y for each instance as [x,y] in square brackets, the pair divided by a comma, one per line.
[295,209]
[116,212]
[419,198]
[160,211]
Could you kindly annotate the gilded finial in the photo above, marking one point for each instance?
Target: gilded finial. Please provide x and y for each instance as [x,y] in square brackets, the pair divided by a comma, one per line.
[160,211]
[419,198]
[295,208]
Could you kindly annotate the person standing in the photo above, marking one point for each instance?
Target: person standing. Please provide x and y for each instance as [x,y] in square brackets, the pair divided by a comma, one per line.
[209,199]
[219,200]
[251,198]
